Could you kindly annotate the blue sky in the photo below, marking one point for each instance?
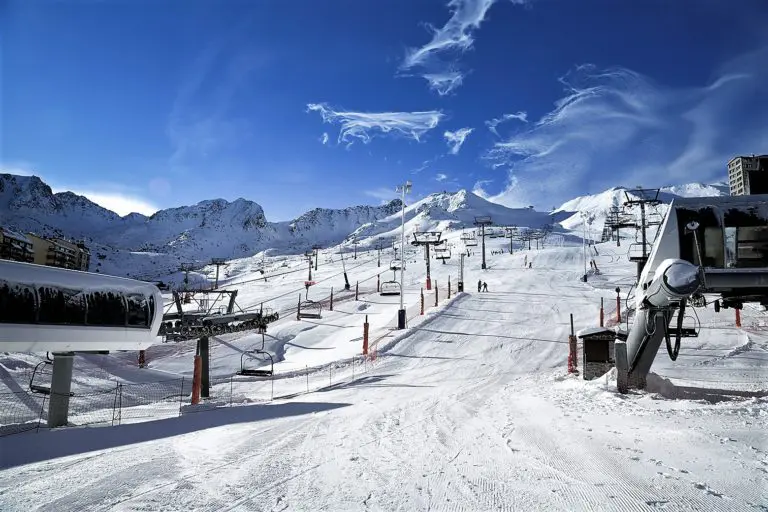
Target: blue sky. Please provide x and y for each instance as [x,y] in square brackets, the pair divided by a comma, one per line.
[297,104]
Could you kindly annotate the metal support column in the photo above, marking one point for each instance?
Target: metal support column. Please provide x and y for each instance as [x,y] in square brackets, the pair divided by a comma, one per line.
[61,386]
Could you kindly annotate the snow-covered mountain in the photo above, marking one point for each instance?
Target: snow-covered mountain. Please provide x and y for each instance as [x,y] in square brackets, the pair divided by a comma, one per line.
[447,212]
[598,205]
[212,228]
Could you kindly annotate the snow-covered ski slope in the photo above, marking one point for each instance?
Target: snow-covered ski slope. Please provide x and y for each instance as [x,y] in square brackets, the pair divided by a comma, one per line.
[471,409]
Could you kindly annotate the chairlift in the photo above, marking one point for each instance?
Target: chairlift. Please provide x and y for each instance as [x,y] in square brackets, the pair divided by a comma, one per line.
[444,255]
[252,354]
[310,309]
[37,375]
[389,288]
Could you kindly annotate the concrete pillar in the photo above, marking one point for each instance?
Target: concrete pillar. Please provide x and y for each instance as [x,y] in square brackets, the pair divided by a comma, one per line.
[61,385]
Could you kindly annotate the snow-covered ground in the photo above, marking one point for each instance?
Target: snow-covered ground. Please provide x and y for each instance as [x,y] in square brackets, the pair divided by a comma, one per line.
[470,409]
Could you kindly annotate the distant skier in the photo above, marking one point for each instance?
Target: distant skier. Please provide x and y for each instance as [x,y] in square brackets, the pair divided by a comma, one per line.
[485,287]
[530,265]
[479,286]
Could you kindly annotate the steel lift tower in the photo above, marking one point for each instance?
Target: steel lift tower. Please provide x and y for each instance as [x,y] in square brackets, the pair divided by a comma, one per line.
[426,239]
[481,222]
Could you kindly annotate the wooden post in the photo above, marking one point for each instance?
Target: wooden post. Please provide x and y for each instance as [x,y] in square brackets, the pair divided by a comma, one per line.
[331,306]
[436,289]
[357,289]
[422,301]
[298,309]
[378,283]
[602,313]
[365,336]
[142,359]
[449,287]
[618,307]
[738,317]
[572,351]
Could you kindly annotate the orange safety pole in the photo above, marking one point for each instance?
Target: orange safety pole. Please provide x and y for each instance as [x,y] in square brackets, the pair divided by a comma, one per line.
[738,317]
[197,376]
[365,336]
[422,301]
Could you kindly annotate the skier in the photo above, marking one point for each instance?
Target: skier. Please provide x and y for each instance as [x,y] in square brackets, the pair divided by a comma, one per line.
[485,287]
[479,286]
[530,265]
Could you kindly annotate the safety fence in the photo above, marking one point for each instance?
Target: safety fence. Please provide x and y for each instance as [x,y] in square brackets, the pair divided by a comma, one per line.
[24,411]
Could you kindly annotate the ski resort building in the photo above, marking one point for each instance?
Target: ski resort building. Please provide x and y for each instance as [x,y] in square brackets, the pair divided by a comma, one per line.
[57,252]
[748,175]
[15,246]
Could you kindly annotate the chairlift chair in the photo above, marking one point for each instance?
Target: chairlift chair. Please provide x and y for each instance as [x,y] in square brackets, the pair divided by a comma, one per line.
[310,309]
[395,264]
[37,373]
[389,288]
[256,372]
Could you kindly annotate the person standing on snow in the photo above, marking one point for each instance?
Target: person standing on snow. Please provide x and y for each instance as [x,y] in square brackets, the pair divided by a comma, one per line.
[479,285]
[485,287]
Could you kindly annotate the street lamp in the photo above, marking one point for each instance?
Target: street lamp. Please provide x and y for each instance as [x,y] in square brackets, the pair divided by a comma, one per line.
[403,189]
[584,216]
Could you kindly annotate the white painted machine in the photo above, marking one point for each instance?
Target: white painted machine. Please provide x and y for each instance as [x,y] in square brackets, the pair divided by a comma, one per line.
[709,250]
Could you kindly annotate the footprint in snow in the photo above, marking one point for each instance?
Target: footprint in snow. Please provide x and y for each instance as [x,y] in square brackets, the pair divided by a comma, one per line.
[704,487]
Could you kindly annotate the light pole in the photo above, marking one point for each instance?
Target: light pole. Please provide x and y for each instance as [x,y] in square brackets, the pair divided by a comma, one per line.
[403,189]
[584,216]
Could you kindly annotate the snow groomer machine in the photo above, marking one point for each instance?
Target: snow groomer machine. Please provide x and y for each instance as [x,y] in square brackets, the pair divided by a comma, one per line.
[709,252]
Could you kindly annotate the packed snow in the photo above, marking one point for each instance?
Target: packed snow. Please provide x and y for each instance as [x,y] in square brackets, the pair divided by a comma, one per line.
[470,408]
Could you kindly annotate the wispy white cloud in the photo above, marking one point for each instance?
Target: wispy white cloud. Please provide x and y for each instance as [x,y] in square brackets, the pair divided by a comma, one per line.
[324,138]
[455,37]
[615,126]
[382,193]
[364,126]
[119,198]
[19,168]
[441,176]
[479,188]
[120,203]
[493,123]
[456,139]
[202,121]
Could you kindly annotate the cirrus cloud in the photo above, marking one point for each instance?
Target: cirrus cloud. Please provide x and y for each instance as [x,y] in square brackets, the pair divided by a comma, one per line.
[615,126]
[456,139]
[456,36]
[364,126]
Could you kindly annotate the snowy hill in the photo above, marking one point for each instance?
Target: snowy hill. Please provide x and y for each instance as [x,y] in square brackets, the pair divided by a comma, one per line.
[449,212]
[598,205]
[147,247]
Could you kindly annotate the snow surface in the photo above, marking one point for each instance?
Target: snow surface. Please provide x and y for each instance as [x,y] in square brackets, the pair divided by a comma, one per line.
[469,409]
